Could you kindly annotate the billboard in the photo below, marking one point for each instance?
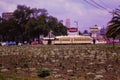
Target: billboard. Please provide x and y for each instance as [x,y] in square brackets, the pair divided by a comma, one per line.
[73,29]
[94,29]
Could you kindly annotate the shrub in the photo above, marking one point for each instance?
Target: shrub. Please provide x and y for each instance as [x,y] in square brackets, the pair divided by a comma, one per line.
[43,72]
[25,65]
[61,65]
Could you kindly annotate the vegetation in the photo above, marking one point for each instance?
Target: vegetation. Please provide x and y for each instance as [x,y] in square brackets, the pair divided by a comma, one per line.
[58,62]
[29,23]
[7,77]
[42,72]
[113,29]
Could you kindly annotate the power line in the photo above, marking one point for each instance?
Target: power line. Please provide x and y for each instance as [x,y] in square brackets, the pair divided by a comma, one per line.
[99,5]
[91,4]
[94,5]
[102,2]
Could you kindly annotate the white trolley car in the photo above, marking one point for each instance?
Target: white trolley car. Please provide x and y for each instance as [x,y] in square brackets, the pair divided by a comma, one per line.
[78,39]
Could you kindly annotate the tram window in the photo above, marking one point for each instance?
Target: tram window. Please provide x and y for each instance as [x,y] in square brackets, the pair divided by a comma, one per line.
[65,39]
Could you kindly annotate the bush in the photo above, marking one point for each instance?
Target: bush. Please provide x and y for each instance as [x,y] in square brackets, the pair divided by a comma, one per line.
[43,72]
[25,65]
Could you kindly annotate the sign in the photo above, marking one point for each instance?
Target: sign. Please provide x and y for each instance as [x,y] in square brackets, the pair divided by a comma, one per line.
[94,29]
[73,29]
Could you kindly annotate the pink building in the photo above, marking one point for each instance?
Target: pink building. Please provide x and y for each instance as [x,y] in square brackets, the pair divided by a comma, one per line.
[67,23]
[7,15]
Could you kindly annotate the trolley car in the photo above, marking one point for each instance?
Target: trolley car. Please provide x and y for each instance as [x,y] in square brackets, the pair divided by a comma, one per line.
[73,40]
[69,40]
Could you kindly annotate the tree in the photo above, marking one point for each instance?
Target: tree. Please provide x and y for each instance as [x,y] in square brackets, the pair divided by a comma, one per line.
[113,28]
[22,14]
[13,29]
[37,12]
[62,30]
[8,30]
[42,26]
[30,29]
[57,27]
[29,23]
[85,32]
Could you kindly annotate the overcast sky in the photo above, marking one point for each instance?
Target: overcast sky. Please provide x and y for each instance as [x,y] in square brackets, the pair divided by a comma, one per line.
[84,13]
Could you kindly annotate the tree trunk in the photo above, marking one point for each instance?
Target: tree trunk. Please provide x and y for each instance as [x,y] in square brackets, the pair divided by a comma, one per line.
[113,42]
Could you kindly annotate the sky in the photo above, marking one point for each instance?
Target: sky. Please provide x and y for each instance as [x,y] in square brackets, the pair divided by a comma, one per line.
[85,12]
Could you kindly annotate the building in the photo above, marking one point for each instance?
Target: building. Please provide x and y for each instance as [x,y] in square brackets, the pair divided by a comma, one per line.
[67,23]
[94,31]
[7,15]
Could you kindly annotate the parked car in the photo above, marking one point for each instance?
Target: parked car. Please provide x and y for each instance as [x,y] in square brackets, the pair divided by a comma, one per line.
[3,43]
[34,43]
[11,43]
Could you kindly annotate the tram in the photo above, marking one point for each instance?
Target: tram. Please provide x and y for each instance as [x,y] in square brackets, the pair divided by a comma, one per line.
[78,39]
[73,39]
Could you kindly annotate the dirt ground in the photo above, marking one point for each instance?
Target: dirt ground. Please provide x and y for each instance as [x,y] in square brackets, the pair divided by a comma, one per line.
[65,62]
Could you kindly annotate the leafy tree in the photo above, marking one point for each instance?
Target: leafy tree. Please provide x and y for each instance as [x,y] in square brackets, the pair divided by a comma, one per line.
[29,23]
[3,30]
[22,14]
[30,28]
[62,30]
[37,12]
[57,27]
[8,30]
[85,32]
[36,24]
[12,30]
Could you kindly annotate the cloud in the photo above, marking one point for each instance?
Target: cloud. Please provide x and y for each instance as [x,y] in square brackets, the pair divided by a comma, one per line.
[6,7]
[78,10]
